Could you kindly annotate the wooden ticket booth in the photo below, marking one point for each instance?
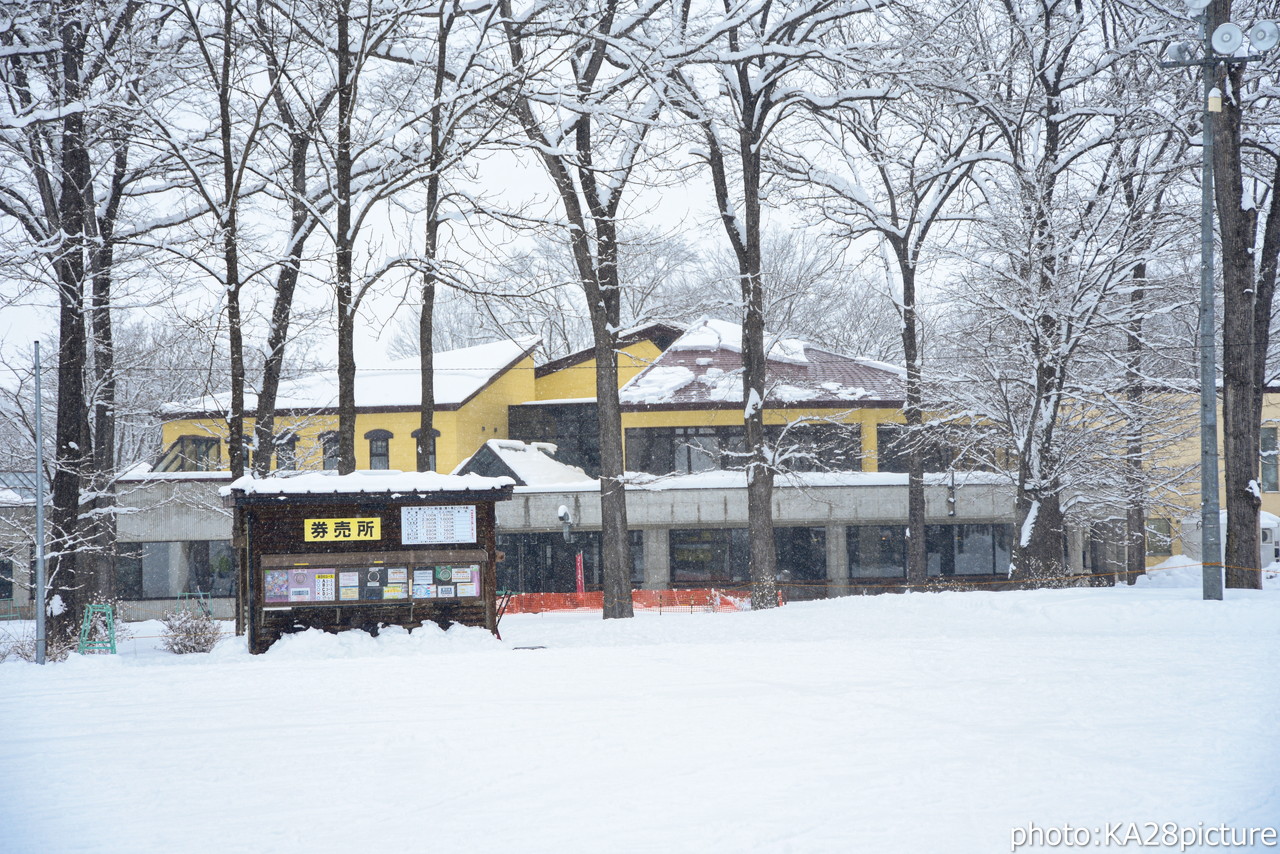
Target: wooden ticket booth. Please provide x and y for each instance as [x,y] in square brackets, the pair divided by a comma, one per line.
[364,550]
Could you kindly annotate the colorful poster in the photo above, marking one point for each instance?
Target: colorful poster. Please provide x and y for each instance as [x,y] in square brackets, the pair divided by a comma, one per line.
[397,573]
[341,530]
[453,523]
[348,579]
[348,594]
[423,591]
[462,574]
[444,573]
[324,587]
[444,591]
[394,591]
[468,589]
[275,583]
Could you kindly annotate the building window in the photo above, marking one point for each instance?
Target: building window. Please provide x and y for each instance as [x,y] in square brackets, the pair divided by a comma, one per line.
[329,448]
[6,578]
[1270,473]
[877,551]
[192,453]
[163,570]
[968,549]
[892,447]
[1160,536]
[431,447]
[287,452]
[802,555]
[708,555]
[684,450]
[379,449]
[816,446]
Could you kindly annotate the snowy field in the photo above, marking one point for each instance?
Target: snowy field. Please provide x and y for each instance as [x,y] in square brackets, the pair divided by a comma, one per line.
[930,723]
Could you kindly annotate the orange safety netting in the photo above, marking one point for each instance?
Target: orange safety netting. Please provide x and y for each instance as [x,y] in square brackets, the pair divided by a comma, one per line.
[642,600]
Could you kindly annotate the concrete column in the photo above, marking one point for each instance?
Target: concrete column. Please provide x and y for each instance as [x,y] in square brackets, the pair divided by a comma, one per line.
[837,561]
[657,559]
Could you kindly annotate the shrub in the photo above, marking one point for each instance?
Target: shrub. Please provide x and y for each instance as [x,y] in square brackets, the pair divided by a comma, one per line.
[190,631]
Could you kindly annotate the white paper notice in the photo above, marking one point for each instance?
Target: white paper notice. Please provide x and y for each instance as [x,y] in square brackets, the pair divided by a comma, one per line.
[450,523]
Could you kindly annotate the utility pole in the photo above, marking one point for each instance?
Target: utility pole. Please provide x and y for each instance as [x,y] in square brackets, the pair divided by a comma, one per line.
[41,637]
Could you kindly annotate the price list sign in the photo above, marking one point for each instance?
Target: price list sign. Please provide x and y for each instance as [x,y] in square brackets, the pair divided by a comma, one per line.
[450,523]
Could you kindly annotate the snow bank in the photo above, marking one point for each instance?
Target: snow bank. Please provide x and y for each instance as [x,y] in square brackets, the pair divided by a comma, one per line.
[894,724]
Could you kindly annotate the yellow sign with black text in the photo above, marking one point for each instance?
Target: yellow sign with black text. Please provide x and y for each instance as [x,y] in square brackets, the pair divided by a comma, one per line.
[341,530]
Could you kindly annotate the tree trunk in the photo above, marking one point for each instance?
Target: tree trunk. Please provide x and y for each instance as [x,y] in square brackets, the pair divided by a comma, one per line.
[231,250]
[1241,391]
[301,221]
[917,556]
[102,529]
[1135,481]
[343,251]
[760,471]
[71,457]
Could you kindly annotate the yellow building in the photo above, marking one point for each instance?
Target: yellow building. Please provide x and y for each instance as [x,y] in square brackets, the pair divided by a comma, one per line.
[474,387]
[1178,455]
[682,408]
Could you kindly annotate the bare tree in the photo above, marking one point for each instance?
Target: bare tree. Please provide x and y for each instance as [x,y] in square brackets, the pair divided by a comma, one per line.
[895,168]
[588,118]
[71,74]
[750,67]
[1246,175]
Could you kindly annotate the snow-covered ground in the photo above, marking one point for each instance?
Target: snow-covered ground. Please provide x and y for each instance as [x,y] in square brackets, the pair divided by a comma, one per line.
[928,723]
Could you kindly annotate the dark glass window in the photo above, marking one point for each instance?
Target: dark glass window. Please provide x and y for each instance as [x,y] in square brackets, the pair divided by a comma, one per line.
[1159,537]
[708,555]
[129,570]
[877,551]
[6,578]
[892,446]
[329,446]
[431,447]
[572,427]
[817,446]
[379,449]
[162,570]
[546,563]
[192,453]
[965,549]
[1270,472]
[684,450]
[802,554]
[287,452]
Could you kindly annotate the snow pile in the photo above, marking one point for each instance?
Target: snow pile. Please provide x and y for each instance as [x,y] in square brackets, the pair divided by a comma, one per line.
[895,724]
[711,334]
[534,463]
[657,384]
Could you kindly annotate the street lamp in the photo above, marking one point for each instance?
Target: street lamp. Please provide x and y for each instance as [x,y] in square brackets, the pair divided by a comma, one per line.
[1218,47]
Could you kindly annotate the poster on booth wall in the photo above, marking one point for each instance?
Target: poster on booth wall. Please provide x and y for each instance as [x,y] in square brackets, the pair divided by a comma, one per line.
[275,585]
[453,523]
[325,589]
[394,591]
